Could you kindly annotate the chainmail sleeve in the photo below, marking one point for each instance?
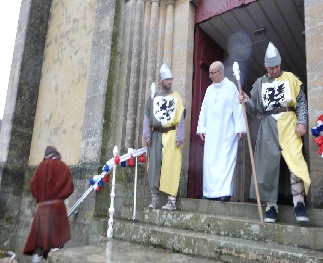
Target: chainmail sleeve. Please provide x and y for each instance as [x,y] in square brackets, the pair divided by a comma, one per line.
[301,108]
[251,107]
[146,123]
[146,127]
[181,130]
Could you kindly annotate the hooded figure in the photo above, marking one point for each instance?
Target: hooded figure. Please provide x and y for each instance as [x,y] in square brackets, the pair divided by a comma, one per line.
[50,185]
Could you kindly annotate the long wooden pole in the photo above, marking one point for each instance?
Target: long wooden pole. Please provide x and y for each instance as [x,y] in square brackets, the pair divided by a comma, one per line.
[250,151]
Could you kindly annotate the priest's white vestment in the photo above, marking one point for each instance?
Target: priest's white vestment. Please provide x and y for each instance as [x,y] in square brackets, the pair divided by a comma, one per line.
[221,118]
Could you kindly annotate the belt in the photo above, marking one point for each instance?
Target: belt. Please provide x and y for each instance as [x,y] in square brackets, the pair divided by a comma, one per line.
[49,202]
[163,130]
[275,111]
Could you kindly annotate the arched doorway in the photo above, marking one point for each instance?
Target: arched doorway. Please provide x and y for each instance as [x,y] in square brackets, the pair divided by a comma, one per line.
[231,31]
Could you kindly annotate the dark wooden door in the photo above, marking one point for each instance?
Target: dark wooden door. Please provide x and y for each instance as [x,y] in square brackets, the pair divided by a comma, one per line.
[205,52]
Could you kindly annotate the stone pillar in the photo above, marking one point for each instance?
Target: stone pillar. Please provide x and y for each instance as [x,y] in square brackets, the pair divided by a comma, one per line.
[19,114]
[97,84]
[121,88]
[134,76]
[143,74]
[21,102]
[169,32]
[314,46]
[182,66]
[152,49]
[161,38]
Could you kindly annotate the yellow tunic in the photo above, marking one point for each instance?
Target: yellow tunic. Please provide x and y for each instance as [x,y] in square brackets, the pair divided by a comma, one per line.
[289,141]
[171,155]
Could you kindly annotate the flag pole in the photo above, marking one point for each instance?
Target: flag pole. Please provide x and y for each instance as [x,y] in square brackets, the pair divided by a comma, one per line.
[237,75]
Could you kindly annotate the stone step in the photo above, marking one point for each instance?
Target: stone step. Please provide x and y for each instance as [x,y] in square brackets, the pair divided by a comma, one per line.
[239,209]
[248,210]
[231,226]
[224,248]
[116,251]
[230,232]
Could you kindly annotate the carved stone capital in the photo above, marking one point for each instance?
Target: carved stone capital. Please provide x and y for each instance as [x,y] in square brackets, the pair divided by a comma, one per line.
[170,2]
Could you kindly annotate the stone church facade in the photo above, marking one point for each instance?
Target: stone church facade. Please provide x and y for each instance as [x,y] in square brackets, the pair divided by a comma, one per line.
[80,76]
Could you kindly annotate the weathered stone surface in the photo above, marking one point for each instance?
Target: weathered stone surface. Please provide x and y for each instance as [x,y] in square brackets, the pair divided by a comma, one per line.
[115,251]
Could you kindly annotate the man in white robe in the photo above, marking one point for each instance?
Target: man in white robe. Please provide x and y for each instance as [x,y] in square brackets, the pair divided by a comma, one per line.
[221,124]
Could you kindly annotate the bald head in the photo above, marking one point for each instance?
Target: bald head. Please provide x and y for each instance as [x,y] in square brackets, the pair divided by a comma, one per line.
[216,72]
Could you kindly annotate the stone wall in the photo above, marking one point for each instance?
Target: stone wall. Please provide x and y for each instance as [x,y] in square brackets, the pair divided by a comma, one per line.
[63,84]
[18,120]
[110,52]
[74,84]
[314,49]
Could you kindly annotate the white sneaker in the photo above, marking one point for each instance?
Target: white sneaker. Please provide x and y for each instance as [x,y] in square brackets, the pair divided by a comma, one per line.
[153,205]
[36,258]
[170,205]
[154,202]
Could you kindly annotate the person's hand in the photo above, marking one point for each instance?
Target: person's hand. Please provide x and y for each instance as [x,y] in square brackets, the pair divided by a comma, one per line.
[147,140]
[300,129]
[243,97]
[202,136]
[178,143]
[239,134]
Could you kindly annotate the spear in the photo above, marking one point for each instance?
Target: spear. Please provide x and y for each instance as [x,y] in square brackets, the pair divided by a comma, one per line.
[236,73]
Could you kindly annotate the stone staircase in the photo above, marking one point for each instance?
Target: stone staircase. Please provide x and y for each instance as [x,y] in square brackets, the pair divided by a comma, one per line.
[230,232]
[221,232]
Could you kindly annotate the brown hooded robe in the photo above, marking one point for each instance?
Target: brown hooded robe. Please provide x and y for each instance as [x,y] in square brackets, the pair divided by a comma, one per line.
[50,185]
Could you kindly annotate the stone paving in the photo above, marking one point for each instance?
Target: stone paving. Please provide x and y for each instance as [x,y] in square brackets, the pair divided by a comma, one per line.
[116,251]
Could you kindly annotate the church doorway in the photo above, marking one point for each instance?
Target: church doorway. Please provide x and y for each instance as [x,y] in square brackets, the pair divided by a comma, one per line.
[239,31]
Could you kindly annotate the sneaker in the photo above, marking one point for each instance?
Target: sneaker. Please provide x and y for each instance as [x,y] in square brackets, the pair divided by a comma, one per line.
[154,202]
[36,258]
[170,205]
[270,215]
[300,213]
[153,205]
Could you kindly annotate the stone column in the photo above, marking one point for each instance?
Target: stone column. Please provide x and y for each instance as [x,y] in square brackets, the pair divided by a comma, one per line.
[134,75]
[161,37]
[121,88]
[169,32]
[143,74]
[314,46]
[19,114]
[97,82]
[23,88]
[182,66]
[152,49]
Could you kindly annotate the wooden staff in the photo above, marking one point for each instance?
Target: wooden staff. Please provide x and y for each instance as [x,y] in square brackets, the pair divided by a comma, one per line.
[236,73]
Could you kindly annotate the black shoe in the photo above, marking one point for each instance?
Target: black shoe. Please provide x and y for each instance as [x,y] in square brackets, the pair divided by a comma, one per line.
[271,215]
[225,198]
[210,198]
[300,213]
